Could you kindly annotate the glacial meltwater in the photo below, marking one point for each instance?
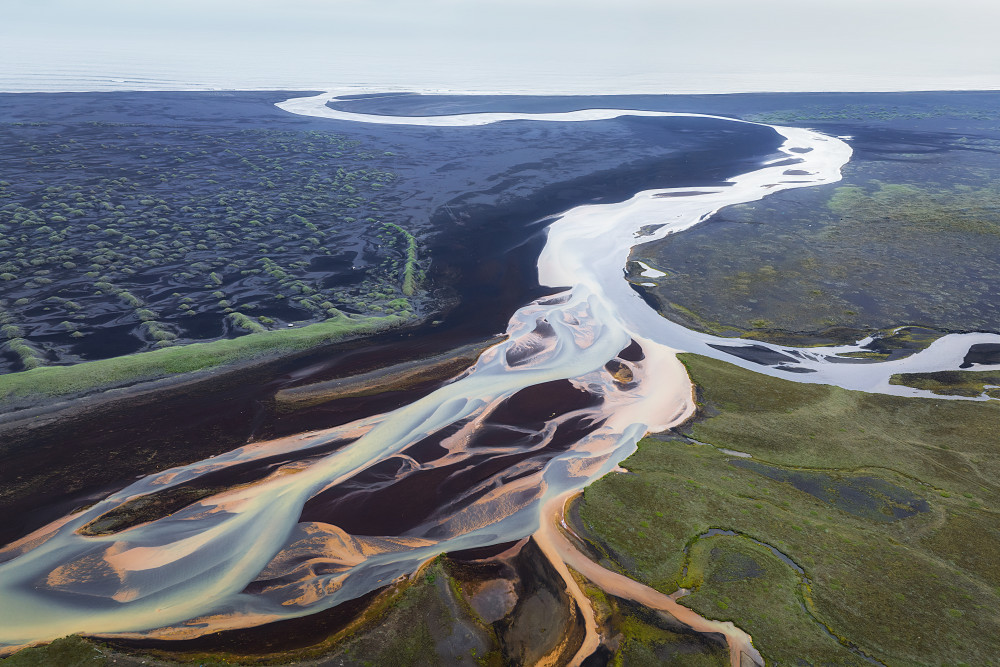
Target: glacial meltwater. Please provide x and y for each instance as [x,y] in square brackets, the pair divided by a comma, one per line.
[475,463]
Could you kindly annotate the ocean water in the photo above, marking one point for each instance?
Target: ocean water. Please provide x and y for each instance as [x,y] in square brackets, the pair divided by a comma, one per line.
[216,68]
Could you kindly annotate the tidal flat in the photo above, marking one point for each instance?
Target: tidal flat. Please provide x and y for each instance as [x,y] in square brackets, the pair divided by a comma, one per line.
[796,513]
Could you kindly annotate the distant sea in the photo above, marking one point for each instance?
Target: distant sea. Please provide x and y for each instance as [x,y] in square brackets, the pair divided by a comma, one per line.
[63,71]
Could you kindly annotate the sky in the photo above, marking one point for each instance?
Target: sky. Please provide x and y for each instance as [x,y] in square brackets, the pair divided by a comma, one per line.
[501,45]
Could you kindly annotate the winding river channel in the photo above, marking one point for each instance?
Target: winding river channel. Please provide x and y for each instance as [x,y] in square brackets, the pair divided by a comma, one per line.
[497,450]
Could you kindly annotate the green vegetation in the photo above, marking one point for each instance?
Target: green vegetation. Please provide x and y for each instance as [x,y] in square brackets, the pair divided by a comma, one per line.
[970,210]
[734,578]
[901,242]
[233,222]
[119,371]
[888,504]
[148,508]
[65,652]
[430,624]
[875,356]
[644,644]
[243,322]
[28,356]
[644,639]
[409,269]
[953,383]
[948,444]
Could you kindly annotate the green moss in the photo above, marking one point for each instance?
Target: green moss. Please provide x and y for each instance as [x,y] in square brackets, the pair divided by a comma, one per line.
[839,263]
[907,572]
[644,641]
[92,375]
[971,539]
[243,322]
[878,356]
[420,628]
[931,210]
[692,319]
[409,270]
[869,113]
[66,652]
[819,426]
[952,383]
[27,354]
[744,582]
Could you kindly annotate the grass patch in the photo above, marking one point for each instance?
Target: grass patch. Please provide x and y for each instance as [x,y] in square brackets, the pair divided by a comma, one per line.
[25,353]
[951,445]
[907,571]
[877,356]
[410,268]
[836,264]
[644,642]
[66,652]
[428,624]
[640,636]
[952,383]
[56,381]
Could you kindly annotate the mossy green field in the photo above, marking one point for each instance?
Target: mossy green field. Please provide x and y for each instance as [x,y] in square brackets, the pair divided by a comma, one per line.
[922,589]
[910,236]
[62,381]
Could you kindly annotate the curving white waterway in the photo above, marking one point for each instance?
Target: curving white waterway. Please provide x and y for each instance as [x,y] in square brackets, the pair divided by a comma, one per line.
[243,557]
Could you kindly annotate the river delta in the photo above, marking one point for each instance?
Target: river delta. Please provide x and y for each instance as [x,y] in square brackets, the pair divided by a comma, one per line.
[394,379]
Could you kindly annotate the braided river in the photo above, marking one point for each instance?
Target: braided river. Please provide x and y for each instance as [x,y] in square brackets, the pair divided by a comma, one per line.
[582,376]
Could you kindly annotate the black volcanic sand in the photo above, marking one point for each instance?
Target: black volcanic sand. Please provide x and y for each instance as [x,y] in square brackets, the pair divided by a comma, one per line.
[910,236]
[433,490]
[475,196]
[981,353]
[128,235]
[297,633]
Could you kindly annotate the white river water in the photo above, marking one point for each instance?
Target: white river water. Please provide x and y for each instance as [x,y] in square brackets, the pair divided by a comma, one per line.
[242,557]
